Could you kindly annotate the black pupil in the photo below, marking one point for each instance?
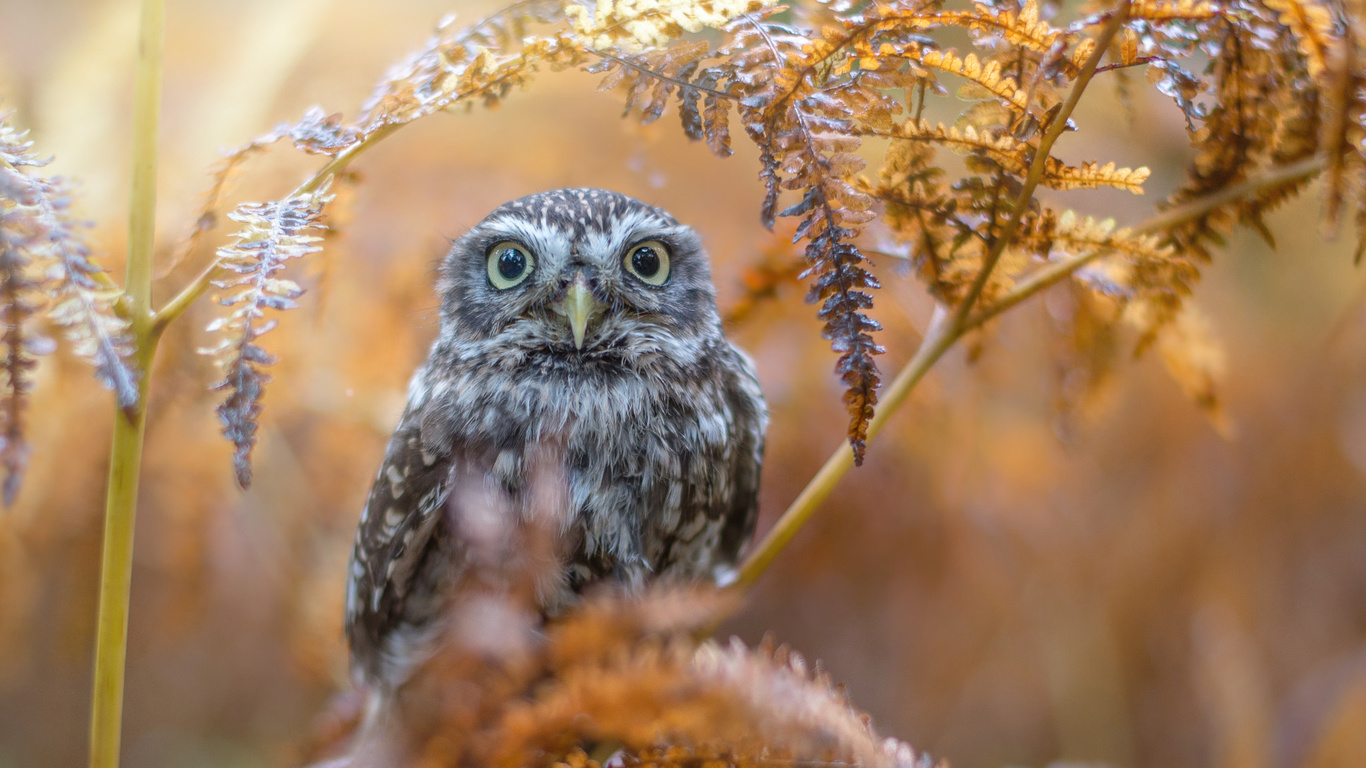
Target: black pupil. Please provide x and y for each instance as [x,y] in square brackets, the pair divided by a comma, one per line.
[511,264]
[646,262]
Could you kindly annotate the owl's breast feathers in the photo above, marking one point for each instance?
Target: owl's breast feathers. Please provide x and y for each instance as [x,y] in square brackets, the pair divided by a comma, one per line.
[660,463]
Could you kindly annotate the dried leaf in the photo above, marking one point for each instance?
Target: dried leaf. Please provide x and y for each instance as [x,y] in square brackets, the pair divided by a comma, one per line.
[272,234]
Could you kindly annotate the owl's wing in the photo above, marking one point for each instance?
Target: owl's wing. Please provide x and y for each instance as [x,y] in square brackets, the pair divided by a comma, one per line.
[749,415]
[404,510]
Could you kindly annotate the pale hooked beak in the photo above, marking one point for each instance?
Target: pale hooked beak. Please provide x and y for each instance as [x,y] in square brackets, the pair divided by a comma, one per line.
[578,306]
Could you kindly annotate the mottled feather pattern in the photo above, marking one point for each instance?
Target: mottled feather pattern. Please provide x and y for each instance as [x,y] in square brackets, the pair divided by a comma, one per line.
[658,422]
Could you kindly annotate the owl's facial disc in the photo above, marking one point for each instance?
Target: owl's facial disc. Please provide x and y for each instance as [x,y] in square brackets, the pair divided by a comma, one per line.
[578,307]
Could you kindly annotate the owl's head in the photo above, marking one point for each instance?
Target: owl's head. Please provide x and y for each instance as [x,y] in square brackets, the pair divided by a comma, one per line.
[577,269]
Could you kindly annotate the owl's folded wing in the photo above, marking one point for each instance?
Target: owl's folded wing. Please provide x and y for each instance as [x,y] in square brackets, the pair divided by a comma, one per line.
[405,507]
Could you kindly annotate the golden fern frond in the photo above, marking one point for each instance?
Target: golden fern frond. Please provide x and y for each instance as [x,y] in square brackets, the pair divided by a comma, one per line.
[1023,28]
[1312,24]
[1007,151]
[1192,355]
[1344,129]
[272,234]
[639,24]
[987,75]
[1165,11]
[1091,175]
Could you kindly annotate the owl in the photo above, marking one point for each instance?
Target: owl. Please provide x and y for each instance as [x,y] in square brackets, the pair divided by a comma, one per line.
[579,325]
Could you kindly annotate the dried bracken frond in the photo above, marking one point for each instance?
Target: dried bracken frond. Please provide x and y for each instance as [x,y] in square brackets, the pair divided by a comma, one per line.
[272,235]
[1312,24]
[80,297]
[1091,176]
[19,300]
[1192,355]
[626,671]
[651,23]
[1165,11]
[1344,131]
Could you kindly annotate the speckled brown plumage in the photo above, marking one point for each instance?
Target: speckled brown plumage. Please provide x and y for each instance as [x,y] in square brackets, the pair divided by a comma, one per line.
[653,421]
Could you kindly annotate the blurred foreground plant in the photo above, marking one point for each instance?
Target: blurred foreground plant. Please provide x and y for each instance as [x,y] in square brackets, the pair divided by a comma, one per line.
[1280,99]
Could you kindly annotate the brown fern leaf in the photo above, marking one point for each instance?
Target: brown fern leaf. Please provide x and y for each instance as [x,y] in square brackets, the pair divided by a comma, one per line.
[988,75]
[798,101]
[1167,11]
[1141,270]
[1091,175]
[919,210]
[1312,24]
[1344,89]
[1238,133]
[730,701]
[458,65]
[1005,151]
[272,235]
[82,300]
[20,300]
[652,78]
[1023,28]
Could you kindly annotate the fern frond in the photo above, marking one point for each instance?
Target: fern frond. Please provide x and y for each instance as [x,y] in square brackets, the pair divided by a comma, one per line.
[1344,90]
[988,75]
[1166,11]
[20,300]
[1090,176]
[318,133]
[1192,355]
[1023,28]
[806,143]
[272,235]
[1003,149]
[640,24]
[1312,24]
[82,299]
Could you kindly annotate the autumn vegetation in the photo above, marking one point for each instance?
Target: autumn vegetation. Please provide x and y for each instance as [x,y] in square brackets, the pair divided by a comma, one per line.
[922,174]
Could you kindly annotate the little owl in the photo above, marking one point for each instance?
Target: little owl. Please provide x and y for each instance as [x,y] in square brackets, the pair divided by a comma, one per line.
[583,320]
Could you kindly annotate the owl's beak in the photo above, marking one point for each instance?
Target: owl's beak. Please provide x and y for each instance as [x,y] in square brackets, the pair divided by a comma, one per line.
[578,306]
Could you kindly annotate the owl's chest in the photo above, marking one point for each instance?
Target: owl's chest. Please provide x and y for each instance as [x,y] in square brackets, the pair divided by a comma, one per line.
[643,460]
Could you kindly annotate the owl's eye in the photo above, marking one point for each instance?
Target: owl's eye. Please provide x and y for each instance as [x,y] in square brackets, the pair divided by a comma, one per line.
[649,261]
[509,264]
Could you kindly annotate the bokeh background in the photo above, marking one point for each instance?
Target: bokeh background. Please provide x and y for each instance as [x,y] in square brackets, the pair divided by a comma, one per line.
[1050,555]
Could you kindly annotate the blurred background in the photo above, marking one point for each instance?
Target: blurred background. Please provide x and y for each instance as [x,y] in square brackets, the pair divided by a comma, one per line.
[1050,555]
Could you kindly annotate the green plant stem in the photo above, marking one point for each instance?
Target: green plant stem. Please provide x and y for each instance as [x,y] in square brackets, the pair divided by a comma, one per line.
[125,462]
